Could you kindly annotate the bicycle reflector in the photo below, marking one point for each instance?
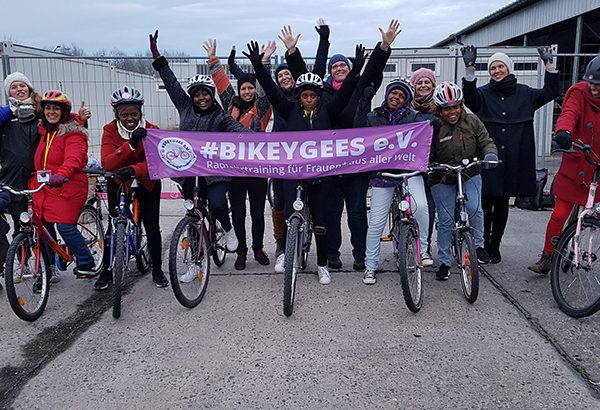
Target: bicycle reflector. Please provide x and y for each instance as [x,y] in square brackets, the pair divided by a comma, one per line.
[188,204]
[403,205]
[25,217]
[298,205]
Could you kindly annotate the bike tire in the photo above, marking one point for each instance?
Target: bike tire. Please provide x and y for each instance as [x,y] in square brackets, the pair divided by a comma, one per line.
[189,237]
[118,269]
[576,290]
[92,230]
[289,275]
[142,259]
[219,252]
[469,266]
[21,272]
[407,261]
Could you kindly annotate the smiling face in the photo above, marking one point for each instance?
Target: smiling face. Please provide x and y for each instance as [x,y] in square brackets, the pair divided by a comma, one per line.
[52,113]
[130,117]
[451,115]
[309,100]
[423,87]
[285,80]
[247,92]
[339,71]
[19,90]
[595,90]
[202,99]
[395,99]
[498,71]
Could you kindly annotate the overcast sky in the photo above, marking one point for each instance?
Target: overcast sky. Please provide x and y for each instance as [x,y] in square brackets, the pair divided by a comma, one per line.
[184,25]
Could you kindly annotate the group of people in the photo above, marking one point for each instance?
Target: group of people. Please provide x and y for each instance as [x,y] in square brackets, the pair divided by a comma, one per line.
[490,122]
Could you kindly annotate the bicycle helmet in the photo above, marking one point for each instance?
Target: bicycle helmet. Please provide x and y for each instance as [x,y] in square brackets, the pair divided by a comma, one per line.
[402,84]
[447,94]
[201,81]
[309,80]
[125,95]
[56,97]
[592,71]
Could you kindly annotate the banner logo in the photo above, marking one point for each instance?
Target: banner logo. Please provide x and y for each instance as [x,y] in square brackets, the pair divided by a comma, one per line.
[176,153]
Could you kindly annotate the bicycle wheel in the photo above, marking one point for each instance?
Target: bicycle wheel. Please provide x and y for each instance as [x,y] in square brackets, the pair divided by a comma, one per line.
[90,226]
[26,264]
[189,261]
[576,284]
[218,246]
[118,268]
[289,276]
[142,259]
[469,266]
[407,261]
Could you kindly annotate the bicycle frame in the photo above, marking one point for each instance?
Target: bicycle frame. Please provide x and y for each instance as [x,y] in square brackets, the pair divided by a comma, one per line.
[129,218]
[301,212]
[197,208]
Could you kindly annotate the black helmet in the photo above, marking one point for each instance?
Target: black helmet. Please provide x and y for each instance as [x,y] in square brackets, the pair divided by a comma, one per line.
[592,71]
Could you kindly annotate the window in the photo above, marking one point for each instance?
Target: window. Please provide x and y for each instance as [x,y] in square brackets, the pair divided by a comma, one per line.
[415,66]
[481,66]
[389,68]
[526,66]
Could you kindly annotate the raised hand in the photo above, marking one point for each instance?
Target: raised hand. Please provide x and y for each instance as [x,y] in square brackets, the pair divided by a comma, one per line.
[288,39]
[360,57]
[253,54]
[323,29]
[546,55]
[469,55]
[369,92]
[84,112]
[388,37]
[268,50]
[210,46]
[153,45]
[231,59]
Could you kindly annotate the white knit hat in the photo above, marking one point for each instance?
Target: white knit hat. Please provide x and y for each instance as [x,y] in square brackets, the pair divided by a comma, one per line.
[504,59]
[16,76]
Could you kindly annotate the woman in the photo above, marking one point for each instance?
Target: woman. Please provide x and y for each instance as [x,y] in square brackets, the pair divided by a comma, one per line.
[62,152]
[506,109]
[123,153]
[423,81]
[461,135]
[304,114]
[395,109]
[578,120]
[198,111]
[252,111]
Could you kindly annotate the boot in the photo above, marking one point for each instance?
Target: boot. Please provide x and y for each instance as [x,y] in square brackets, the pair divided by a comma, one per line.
[240,262]
[543,265]
[278,224]
[494,251]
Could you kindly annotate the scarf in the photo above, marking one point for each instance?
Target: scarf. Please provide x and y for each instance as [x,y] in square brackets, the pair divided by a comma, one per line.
[24,110]
[242,105]
[336,85]
[505,87]
[125,133]
[393,116]
[423,103]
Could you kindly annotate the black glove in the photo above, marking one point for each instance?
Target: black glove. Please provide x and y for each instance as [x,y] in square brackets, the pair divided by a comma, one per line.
[546,54]
[323,32]
[231,59]
[125,174]
[254,54]
[136,136]
[469,55]
[563,139]
[369,92]
[360,57]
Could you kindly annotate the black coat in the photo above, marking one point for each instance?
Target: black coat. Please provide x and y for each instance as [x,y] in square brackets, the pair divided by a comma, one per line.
[509,121]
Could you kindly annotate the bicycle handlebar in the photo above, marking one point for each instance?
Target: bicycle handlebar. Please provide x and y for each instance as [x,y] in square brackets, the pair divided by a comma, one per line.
[460,168]
[399,176]
[98,172]
[586,149]
[22,192]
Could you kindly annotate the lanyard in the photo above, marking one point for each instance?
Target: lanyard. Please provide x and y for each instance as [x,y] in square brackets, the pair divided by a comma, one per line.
[49,141]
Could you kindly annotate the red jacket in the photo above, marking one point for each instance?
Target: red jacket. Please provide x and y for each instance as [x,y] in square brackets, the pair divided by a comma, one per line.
[66,156]
[578,111]
[116,153]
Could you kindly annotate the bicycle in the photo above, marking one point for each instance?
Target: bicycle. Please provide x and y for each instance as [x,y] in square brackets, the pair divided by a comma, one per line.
[462,244]
[575,284]
[297,247]
[28,261]
[197,237]
[407,244]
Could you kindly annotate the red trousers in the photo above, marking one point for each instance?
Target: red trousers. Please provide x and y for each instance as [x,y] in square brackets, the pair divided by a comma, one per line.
[560,214]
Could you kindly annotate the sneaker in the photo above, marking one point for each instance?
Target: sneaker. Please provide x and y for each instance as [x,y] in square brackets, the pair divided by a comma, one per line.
[495,256]
[231,241]
[483,256]
[324,278]
[84,272]
[261,257]
[369,278]
[279,268]
[37,286]
[55,274]
[159,279]
[192,273]
[543,265]
[104,280]
[426,259]
[443,272]
[334,263]
[240,262]
[359,266]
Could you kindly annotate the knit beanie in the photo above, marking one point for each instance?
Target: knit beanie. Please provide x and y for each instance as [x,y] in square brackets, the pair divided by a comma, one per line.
[16,76]
[336,58]
[422,73]
[504,59]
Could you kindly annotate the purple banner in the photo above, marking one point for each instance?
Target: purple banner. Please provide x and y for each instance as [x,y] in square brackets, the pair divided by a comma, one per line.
[288,155]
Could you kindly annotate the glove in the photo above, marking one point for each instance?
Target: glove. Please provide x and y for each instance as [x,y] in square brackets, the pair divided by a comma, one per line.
[323,31]
[253,54]
[56,181]
[125,174]
[369,92]
[490,156]
[358,62]
[545,54]
[469,55]
[153,46]
[231,59]
[136,136]
[563,139]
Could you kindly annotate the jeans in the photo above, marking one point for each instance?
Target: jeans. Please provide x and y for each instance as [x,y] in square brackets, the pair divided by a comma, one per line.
[75,243]
[256,189]
[381,199]
[445,201]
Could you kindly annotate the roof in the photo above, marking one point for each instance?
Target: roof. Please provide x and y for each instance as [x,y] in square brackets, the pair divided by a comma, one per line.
[495,16]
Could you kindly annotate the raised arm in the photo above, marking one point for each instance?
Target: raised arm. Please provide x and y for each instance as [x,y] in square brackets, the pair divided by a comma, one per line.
[373,73]
[364,107]
[293,57]
[549,92]
[217,72]
[472,95]
[320,67]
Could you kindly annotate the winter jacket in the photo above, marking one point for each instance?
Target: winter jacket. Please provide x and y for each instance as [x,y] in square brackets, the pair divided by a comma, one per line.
[66,156]
[116,153]
[5,114]
[509,121]
[580,116]
[467,139]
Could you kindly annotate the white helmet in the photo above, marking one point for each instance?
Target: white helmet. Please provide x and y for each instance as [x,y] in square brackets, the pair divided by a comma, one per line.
[201,81]
[126,94]
[309,80]
[447,94]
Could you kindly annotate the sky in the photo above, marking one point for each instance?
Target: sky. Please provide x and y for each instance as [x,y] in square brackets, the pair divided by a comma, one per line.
[185,25]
